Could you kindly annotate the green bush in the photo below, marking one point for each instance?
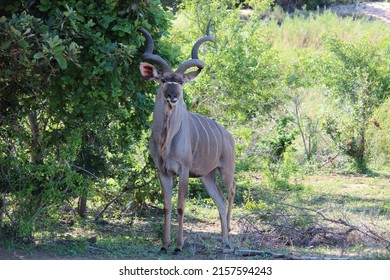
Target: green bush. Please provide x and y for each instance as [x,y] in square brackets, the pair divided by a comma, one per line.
[242,79]
[357,78]
[74,109]
[378,134]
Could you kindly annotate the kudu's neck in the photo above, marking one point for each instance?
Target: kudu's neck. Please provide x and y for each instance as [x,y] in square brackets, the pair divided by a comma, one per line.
[167,120]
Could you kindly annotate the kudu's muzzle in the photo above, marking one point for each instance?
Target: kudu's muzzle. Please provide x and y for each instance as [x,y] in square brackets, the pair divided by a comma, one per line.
[172,93]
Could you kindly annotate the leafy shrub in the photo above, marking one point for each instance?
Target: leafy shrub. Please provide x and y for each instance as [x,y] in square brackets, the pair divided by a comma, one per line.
[242,78]
[73,105]
[356,75]
[378,134]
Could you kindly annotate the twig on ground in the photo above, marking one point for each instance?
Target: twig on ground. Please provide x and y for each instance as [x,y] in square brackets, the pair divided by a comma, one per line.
[272,255]
[282,229]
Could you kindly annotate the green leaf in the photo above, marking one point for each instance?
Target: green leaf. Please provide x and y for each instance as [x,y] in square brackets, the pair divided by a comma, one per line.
[108,67]
[59,50]
[89,24]
[61,61]
[106,20]
[6,45]
[38,55]
[44,5]
[24,44]
[122,27]
[15,31]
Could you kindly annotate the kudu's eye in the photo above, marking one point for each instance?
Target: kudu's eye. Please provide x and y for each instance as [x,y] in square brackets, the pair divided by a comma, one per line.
[163,80]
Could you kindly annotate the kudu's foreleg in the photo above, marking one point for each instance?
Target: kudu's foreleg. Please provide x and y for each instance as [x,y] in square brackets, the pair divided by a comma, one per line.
[167,187]
[181,202]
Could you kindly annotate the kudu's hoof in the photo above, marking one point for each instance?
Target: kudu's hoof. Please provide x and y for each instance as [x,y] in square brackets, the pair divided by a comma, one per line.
[163,251]
[177,252]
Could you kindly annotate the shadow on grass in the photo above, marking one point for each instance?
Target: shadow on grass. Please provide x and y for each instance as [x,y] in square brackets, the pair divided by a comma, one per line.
[126,238]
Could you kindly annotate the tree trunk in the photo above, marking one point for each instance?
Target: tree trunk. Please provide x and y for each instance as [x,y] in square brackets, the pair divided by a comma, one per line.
[82,206]
[2,208]
[297,102]
[35,154]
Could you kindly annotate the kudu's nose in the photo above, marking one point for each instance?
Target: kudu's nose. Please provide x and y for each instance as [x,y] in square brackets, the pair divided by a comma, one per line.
[171,97]
[172,101]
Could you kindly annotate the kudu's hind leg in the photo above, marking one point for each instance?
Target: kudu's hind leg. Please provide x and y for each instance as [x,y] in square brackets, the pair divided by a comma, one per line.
[210,183]
[228,180]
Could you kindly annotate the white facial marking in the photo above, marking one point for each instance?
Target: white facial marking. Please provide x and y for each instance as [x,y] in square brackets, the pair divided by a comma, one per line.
[173,101]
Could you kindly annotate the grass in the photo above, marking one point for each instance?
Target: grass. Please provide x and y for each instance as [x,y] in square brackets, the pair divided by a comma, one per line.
[304,32]
[361,200]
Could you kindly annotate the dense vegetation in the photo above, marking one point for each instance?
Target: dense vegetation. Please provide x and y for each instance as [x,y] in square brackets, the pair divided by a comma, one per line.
[73,107]
[301,94]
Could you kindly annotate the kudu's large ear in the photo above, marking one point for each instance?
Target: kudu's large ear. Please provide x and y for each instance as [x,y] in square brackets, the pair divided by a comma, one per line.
[148,71]
[191,75]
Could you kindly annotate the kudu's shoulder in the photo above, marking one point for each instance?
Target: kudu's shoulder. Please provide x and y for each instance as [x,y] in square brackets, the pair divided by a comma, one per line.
[205,123]
[202,120]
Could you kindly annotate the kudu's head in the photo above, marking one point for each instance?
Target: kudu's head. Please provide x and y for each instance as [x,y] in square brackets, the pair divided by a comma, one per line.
[171,82]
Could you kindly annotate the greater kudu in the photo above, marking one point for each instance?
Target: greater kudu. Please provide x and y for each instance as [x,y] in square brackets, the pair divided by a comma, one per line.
[185,144]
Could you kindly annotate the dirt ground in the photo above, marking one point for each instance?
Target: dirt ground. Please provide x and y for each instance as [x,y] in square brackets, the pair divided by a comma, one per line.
[374,10]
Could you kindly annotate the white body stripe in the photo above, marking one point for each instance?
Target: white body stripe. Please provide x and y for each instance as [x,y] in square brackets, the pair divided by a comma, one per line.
[197,134]
[207,134]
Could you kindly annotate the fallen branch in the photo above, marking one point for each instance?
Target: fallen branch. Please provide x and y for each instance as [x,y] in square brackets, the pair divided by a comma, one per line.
[330,159]
[317,229]
[126,190]
[368,232]
[274,256]
[98,216]
[264,254]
